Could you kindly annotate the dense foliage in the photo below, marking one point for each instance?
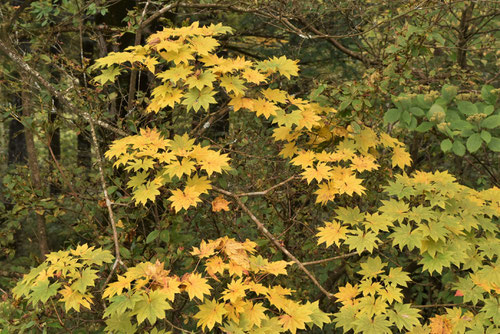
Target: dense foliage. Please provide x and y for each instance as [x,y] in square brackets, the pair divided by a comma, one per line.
[316,167]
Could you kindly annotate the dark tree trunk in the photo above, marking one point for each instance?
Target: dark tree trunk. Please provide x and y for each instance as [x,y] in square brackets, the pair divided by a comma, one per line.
[54,144]
[36,179]
[17,143]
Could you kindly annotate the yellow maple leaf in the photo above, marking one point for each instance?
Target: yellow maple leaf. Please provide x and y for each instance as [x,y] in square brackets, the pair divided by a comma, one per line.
[332,233]
[276,267]
[195,285]
[233,84]
[170,287]
[220,204]
[304,159]
[179,168]
[253,76]
[275,95]
[215,265]
[176,73]
[264,107]
[210,313]
[184,199]
[326,192]
[117,287]
[205,249]
[241,102]
[364,162]
[319,173]
[199,184]
[203,45]
[400,157]
[296,317]
[349,184]
[146,192]
[181,55]
[289,150]
[347,294]
[73,299]
[255,313]
[215,162]
[440,325]
[235,290]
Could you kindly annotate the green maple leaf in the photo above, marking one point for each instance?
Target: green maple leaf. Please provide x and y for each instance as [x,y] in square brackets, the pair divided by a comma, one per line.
[491,309]
[120,323]
[195,98]
[97,256]
[345,317]
[120,303]
[435,263]
[372,267]
[233,84]
[394,209]
[362,240]
[396,277]
[399,189]
[108,74]
[151,306]
[351,216]
[377,325]
[404,236]
[287,120]
[43,291]
[204,79]
[85,279]
[138,180]
[317,316]
[404,316]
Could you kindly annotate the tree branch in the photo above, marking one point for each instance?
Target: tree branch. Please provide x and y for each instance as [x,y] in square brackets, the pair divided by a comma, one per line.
[278,245]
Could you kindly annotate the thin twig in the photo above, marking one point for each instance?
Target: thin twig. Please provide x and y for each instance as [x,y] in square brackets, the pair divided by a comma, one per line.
[278,245]
[105,191]
[264,192]
[330,259]
[435,305]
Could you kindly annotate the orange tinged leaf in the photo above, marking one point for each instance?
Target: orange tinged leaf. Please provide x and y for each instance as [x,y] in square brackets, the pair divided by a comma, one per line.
[220,204]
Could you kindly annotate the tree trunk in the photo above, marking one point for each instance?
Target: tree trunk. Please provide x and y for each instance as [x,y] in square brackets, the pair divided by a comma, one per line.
[54,143]
[34,169]
[17,142]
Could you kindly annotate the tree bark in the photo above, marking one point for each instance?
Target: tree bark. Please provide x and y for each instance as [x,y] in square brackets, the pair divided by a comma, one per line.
[34,169]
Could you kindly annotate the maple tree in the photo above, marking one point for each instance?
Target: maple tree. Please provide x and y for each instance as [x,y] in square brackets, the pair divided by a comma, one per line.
[415,228]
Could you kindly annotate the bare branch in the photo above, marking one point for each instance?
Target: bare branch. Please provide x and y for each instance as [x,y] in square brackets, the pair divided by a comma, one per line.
[278,245]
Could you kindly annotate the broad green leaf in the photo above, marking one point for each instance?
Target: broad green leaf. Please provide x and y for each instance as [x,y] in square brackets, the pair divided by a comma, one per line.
[417,111]
[424,127]
[467,108]
[446,145]
[491,122]
[448,92]
[488,95]
[485,136]
[474,142]
[392,115]
[494,144]
[152,236]
[458,148]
